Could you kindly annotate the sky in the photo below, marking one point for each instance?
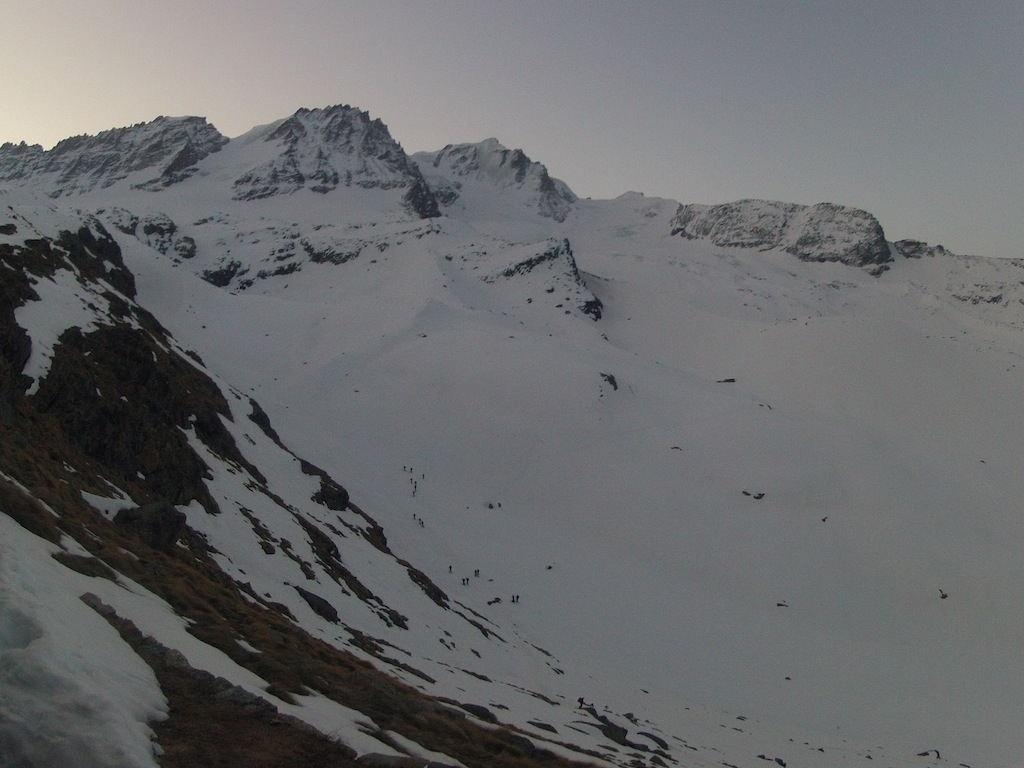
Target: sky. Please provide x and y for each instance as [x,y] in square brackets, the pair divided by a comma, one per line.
[911,110]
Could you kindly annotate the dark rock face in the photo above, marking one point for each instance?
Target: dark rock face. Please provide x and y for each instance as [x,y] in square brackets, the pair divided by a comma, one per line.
[822,232]
[445,192]
[159,523]
[556,252]
[480,711]
[320,607]
[331,495]
[260,419]
[613,731]
[119,393]
[420,579]
[15,344]
[222,277]
[420,200]
[15,348]
[594,307]
[91,249]
[94,256]
[556,198]
[166,149]
[124,401]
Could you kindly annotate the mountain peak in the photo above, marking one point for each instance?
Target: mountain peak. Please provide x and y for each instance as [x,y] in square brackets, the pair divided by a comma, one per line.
[322,149]
[340,127]
[489,161]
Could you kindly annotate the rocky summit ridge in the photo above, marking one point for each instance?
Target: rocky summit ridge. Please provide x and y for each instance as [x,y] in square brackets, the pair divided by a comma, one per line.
[150,156]
[342,147]
[322,149]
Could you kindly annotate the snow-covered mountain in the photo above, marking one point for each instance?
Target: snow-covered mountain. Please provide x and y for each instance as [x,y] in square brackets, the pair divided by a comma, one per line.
[331,453]
[496,169]
[320,150]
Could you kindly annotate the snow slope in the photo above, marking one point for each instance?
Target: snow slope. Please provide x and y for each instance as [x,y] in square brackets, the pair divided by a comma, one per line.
[729,508]
[80,703]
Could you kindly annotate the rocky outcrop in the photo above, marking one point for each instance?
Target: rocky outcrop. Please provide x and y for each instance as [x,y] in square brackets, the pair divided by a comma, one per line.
[157,230]
[822,232]
[15,344]
[555,268]
[90,252]
[150,155]
[117,388]
[127,403]
[95,255]
[916,249]
[320,606]
[159,524]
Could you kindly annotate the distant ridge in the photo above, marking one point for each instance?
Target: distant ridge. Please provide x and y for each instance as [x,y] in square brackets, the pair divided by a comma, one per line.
[151,155]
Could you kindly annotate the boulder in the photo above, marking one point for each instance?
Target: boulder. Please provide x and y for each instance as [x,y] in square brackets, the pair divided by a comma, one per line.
[159,524]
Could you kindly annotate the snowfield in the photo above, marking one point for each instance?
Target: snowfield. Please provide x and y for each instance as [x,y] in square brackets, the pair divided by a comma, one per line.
[762,507]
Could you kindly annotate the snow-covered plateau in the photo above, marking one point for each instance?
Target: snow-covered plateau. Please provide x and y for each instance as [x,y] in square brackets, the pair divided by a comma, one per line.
[624,482]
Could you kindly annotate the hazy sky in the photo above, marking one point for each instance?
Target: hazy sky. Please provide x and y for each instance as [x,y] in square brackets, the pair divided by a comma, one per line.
[911,110]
